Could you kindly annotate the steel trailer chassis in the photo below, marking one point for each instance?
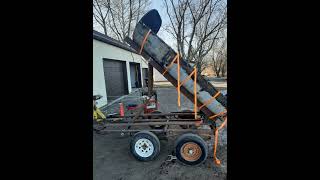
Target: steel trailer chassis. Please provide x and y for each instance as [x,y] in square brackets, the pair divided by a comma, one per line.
[173,118]
[146,130]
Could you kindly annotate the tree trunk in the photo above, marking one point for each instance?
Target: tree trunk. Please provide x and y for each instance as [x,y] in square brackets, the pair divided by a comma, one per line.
[223,70]
[199,69]
[218,73]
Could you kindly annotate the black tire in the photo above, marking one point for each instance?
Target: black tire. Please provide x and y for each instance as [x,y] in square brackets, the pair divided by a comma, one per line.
[156,117]
[197,141]
[149,136]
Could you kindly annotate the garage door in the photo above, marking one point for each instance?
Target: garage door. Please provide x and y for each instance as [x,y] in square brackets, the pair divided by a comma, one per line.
[116,78]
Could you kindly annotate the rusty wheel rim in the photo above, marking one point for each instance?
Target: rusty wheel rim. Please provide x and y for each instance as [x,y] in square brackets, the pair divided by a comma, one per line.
[191,151]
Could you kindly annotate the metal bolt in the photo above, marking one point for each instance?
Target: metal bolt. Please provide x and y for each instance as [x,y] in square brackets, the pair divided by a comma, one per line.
[190,151]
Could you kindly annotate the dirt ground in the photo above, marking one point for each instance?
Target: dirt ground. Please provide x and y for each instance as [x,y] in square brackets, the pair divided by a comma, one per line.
[113,160]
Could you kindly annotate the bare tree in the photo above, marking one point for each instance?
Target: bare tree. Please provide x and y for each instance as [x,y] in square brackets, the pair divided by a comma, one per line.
[101,9]
[219,59]
[120,16]
[196,26]
[224,69]
[177,16]
[224,64]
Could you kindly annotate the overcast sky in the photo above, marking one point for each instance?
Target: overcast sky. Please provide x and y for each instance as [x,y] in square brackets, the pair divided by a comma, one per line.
[164,35]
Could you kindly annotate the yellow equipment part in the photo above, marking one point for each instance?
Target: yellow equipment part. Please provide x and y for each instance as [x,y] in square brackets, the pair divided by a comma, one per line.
[97,114]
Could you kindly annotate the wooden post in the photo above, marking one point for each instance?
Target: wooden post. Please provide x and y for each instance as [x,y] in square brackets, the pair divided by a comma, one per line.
[150,80]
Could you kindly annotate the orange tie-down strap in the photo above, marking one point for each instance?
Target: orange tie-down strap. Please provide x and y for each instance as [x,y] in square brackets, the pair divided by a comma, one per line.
[187,78]
[173,61]
[210,100]
[219,114]
[216,133]
[144,41]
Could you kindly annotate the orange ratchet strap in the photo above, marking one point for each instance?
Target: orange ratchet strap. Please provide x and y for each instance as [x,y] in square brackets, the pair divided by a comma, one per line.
[187,78]
[173,61]
[216,133]
[194,72]
[195,93]
[144,41]
[210,100]
[219,114]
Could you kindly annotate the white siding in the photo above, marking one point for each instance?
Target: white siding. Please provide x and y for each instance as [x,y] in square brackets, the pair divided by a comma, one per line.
[102,50]
[158,76]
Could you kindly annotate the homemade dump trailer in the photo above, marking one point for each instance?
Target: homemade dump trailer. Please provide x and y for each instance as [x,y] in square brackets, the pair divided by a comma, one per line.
[209,103]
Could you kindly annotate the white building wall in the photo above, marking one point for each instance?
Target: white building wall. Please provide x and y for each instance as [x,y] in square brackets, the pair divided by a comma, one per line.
[102,50]
[158,76]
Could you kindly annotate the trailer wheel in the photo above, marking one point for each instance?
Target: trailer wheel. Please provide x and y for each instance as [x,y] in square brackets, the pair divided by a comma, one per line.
[157,117]
[191,149]
[145,146]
